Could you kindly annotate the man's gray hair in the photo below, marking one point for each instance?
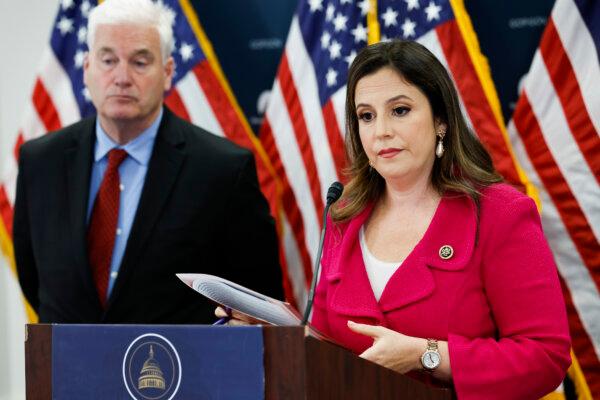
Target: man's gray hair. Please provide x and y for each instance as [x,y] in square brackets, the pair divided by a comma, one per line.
[136,12]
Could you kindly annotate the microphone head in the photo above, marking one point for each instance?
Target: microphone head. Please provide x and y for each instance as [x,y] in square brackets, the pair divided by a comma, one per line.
[334,192]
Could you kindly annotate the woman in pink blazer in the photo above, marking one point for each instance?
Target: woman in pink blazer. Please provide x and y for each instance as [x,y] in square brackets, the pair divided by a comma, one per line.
[430,264]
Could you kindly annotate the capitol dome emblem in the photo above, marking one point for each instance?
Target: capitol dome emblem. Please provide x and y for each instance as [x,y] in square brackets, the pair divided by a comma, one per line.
[151,368]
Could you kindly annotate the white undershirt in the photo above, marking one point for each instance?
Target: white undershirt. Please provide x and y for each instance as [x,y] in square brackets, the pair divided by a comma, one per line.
[379,272]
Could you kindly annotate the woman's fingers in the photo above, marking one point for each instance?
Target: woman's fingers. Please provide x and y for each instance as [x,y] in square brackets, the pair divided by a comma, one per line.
[220,312]
[234,317]
[367,330]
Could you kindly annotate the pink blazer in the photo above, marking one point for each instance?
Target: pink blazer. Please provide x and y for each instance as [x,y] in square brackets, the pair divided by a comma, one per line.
[497,300]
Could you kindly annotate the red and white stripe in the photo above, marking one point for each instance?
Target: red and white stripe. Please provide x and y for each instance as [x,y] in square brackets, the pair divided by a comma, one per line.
[555,136]
[52,104]
[305,145]
[195,103]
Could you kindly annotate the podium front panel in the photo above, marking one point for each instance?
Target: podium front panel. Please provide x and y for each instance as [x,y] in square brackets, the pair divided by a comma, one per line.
[157,362]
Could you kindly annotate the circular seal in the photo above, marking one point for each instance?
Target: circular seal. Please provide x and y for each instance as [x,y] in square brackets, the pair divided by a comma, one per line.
[151,368]
[446,252]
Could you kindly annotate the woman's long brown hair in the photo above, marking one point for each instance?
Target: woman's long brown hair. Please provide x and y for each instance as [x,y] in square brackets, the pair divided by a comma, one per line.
[465,167]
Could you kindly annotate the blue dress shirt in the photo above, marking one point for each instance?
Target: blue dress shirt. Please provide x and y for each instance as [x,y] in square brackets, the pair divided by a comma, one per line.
[132,172]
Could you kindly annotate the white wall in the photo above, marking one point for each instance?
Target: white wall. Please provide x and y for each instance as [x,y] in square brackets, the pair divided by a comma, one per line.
[24,31]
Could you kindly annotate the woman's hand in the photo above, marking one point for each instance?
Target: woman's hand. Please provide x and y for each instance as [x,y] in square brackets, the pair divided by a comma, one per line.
[235,318]
[399,352]
[391,349]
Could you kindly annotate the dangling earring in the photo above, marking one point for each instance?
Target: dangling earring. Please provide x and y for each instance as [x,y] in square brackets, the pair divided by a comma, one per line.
[439,149]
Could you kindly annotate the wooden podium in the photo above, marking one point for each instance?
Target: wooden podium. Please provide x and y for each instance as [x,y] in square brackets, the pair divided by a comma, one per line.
[295,367]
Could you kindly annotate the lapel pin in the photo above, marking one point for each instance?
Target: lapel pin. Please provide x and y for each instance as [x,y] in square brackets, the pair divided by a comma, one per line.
[446,252]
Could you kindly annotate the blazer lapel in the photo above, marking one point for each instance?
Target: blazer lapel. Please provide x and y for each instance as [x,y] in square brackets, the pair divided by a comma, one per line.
[454,224]
[354,295]
[165,165]
[78,162]
[412,282]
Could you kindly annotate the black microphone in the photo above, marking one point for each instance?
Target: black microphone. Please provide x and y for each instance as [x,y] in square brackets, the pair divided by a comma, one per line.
[333,194]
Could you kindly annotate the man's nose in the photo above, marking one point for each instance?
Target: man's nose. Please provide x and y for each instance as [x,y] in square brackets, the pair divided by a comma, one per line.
[122,75]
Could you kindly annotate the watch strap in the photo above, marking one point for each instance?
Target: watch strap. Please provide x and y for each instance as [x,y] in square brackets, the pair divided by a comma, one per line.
[432,344]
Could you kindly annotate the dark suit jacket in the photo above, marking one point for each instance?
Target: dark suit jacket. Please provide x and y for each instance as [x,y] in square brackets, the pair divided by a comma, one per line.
[201,210]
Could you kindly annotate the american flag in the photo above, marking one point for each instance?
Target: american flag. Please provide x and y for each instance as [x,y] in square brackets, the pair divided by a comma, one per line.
[304,124]
[200,95]
[554,131]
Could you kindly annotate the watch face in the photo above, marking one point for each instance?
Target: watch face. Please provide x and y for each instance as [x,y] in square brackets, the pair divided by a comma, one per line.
[430,359]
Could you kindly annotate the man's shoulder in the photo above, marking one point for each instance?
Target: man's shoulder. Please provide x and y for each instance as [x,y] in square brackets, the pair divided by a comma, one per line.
[199,141]
[59,140]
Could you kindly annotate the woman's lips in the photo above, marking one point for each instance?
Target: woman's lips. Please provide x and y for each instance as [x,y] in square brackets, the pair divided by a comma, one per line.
[388,153]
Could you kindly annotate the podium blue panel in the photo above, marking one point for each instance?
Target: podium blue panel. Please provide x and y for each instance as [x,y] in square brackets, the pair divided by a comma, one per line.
[157,362]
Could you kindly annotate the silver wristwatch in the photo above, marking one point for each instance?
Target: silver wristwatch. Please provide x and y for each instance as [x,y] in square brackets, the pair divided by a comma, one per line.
[431,359]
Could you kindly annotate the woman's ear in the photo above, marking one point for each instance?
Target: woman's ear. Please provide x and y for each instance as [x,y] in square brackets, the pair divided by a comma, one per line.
[440,128]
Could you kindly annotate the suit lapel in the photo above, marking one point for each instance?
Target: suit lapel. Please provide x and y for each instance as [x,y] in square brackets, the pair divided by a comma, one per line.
[412,282]
[454,224]
[78,161]
[163,170]
[354,295]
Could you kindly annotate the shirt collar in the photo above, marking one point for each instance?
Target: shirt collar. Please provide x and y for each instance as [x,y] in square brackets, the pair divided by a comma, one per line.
[140,148]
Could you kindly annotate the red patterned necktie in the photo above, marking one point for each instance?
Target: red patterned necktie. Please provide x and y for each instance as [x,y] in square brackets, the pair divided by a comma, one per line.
[103,223]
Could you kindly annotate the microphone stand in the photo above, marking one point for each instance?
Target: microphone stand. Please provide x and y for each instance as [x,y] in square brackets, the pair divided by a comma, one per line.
[334,193]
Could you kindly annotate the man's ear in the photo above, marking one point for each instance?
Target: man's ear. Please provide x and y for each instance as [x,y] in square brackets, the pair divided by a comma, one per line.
[169,71]
[86,66]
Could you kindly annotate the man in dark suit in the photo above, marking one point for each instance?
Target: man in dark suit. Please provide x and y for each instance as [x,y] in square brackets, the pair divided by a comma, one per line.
[110,208]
